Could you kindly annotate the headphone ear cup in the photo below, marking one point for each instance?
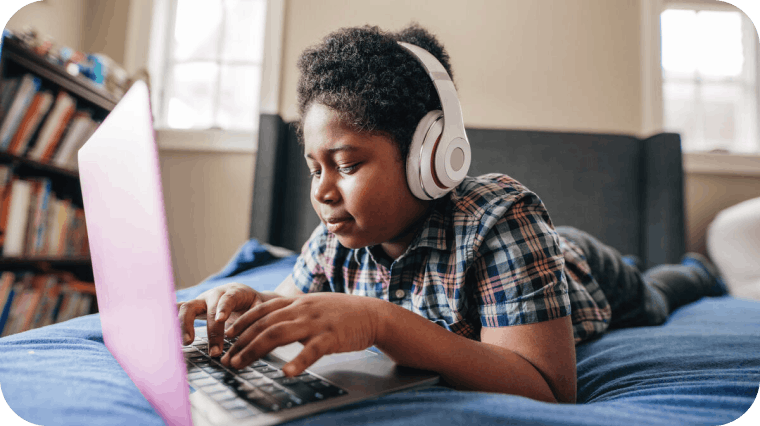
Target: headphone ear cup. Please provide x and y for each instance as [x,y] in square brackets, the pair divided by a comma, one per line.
[419,164]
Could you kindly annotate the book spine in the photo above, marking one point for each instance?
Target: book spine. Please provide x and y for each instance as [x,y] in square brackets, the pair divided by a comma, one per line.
[6,313]
[40,218]
[29,86]
[54,125]
[18,210]
[6,296]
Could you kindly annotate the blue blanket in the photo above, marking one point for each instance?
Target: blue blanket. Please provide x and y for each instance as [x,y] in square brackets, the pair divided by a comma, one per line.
[702,368]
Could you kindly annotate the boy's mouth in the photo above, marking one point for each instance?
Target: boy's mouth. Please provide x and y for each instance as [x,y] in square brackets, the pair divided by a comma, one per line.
[337,224]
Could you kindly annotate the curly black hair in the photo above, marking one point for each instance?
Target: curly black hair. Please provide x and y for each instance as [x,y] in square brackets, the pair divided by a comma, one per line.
[374,84]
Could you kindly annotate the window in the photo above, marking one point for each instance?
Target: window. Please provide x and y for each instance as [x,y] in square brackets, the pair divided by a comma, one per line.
[207,63]
[709,77]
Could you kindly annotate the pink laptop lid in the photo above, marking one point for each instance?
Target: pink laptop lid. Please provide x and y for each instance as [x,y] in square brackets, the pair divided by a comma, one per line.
[126,226]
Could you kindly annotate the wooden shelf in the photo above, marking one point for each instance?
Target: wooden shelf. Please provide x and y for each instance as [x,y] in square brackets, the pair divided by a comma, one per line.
[44,262]
[37,166]
[79,86]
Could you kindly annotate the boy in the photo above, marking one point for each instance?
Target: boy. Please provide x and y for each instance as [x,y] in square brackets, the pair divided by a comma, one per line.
[477,285]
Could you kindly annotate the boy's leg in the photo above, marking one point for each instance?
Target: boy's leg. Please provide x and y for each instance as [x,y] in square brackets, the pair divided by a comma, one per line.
[632,301]
[688,282]
[638,299]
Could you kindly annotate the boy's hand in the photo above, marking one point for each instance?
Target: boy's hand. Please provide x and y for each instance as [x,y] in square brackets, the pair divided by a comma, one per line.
[324,323]
[216,306]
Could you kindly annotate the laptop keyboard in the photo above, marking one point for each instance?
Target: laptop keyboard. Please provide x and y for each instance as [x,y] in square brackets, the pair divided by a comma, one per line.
[259,388]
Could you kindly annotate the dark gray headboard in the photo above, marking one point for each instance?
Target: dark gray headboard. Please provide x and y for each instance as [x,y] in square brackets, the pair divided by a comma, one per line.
[625,191]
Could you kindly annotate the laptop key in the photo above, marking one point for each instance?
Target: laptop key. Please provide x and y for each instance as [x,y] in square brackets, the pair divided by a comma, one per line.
[242,413]
[326,389]
[308,378]
[213,388]
[276,374]
[251,375]
[258,400]
[203,381]
[264,369]
[304,391]
[285,399]
[223,396]
[233,404]
[198,374]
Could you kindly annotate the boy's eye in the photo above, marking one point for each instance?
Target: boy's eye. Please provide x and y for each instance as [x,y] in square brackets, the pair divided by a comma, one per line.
[314,173]
[347,169]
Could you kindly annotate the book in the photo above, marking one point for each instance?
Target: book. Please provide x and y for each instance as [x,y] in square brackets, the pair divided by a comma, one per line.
[39,286]
[7,280]
[8,88]
[28,87]
[36,183]
[23,293]
[44,315]
[80,129]
[37,216]
[31,121]
[64,213]
[76,234]
[6,180]
[18,214]
[53,128]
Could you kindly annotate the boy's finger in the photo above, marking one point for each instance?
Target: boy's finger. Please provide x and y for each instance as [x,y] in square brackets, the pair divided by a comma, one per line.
[313,350]
[188,311]
[214,328]
[279,334]
[256,313]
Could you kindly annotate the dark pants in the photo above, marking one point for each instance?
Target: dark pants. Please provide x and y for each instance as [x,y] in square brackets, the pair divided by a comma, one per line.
[636,298]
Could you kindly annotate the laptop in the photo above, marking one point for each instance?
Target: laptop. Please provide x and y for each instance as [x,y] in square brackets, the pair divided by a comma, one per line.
[131,260]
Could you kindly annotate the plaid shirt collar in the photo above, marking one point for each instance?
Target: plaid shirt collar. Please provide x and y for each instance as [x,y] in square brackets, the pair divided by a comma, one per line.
[432,233]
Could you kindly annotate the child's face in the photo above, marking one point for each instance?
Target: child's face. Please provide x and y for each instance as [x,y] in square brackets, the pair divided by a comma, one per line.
[358,185]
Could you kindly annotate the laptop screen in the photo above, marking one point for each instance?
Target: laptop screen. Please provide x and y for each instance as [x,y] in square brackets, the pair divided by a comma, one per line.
[126,226]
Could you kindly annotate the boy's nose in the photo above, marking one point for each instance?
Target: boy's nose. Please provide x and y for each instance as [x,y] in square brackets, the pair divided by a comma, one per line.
[325,191]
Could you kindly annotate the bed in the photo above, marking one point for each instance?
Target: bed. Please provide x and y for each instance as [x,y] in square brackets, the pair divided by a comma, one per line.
[702,367]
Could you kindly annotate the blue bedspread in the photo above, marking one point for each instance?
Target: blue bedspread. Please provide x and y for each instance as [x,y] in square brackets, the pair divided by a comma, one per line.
[702,367]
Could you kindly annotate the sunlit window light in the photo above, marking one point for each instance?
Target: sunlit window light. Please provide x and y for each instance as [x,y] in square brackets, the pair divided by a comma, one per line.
[706,42]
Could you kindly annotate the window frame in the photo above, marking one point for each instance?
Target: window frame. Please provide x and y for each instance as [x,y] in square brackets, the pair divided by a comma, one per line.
[738,164]
[214,139]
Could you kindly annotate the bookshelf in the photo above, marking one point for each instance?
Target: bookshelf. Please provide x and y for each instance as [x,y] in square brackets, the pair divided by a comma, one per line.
[46,113]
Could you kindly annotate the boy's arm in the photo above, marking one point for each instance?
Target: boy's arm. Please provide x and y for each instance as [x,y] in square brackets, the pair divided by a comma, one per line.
[533,360]
[287,288]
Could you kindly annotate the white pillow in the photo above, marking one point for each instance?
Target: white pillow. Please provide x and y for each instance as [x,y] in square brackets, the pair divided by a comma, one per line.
[733,243]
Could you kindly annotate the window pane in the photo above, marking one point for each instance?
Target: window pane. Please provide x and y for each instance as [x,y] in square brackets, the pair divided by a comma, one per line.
[191,96]
[244,31]
[679,52]
[197,30]
[680,115]
[720,41]
[239,101]
[720,103]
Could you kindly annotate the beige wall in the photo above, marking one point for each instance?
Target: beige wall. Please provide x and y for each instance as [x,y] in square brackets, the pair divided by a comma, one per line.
[538,64]
[63,20]
[708,194]
[106,27]
[208,207]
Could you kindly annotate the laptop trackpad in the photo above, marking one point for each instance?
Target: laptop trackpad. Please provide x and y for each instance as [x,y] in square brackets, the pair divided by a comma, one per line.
[288,352]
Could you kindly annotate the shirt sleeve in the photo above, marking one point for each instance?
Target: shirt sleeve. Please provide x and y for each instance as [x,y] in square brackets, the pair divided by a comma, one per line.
[308,272]
[519,271]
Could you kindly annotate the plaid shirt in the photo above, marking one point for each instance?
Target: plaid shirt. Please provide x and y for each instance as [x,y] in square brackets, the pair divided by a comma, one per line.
[486,256]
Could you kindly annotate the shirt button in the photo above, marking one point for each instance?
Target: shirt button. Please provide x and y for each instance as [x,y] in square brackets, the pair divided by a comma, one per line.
[400,294]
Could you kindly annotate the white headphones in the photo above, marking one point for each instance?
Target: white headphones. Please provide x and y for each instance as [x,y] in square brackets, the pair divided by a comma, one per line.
[439,156]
